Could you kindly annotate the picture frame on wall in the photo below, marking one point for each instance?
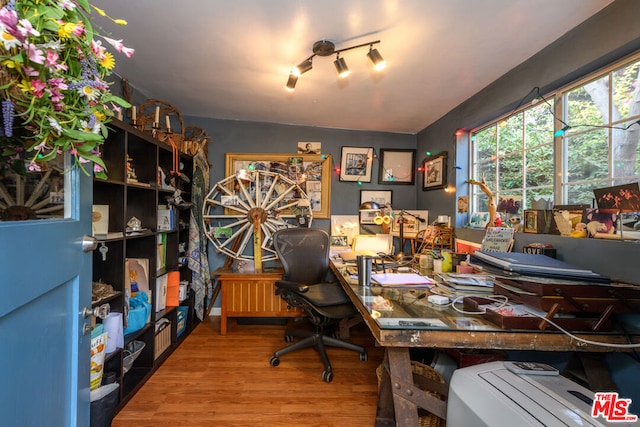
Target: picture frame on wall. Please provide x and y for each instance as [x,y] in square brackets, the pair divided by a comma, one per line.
[397,166]
[355,164]
[381,197]
[435,172]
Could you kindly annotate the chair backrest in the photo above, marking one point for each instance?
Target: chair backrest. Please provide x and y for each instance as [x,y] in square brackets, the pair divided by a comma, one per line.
[304,253]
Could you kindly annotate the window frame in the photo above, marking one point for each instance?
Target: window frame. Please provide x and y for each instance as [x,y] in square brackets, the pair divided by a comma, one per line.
[558,98]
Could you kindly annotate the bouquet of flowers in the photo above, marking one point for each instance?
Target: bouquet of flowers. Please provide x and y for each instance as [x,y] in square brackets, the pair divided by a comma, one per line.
[53,95]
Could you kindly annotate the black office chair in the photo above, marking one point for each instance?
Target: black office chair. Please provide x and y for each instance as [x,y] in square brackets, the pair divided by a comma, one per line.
[304,253]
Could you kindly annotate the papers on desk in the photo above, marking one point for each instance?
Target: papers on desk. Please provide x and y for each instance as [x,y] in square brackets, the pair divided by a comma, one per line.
[401,279]
[410,322]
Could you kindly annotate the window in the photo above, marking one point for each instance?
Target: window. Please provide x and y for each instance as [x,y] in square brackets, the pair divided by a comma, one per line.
[515,157]
[586,135]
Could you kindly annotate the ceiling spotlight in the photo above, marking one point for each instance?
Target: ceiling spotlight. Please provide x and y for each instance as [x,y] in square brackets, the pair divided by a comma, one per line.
[327,48]
[378,61]
[341,67]
[291,83]
[303,67]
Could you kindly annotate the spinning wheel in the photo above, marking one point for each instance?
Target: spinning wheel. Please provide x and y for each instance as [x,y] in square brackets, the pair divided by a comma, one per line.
[242,211]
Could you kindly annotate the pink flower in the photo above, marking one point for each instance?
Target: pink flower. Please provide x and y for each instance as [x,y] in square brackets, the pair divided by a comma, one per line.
[117,44]
[35,54]
[78,30]
[31,72]
[128,51]
[38,87]
[33,166]
[25,29]
[9,18]
[57,83]
[67,4]
[97,168]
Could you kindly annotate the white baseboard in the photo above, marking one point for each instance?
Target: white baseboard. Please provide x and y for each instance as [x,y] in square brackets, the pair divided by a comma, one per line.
[215,311]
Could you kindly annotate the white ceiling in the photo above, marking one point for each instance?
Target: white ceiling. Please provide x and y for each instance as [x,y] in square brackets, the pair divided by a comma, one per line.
[230,59]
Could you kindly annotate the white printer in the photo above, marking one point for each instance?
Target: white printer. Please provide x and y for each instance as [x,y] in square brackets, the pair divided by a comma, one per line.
[500,394]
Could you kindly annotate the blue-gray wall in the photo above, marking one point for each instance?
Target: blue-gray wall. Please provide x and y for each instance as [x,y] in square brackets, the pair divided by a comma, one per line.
[232,136]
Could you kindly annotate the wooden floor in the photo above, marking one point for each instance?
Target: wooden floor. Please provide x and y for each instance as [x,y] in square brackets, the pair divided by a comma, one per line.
[214,380]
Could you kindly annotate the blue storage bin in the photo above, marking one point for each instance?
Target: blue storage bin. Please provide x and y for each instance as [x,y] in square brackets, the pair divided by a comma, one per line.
[183,311]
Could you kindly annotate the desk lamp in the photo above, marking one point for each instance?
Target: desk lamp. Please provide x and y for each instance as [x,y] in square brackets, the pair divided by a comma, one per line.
[369,207]
[400,255]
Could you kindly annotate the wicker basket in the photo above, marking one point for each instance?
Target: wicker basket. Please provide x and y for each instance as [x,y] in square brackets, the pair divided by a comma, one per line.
[426,419]
[131,353]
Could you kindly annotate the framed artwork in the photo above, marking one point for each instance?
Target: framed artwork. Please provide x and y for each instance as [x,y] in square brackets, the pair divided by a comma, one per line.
[566,217]
[381,197]
[530,221]
[338,240]
[413,220]
[312,172]
[345,225]
[621,198]
[355,164]
[435,172]
[397,166]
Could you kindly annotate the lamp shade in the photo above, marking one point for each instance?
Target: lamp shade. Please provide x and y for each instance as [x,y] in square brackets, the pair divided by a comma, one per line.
[341,67]
[378,61]
[291,82]
[370,206]
[303,67]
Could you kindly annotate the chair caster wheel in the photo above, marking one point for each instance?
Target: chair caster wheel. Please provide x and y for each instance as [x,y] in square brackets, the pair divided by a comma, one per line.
[327,376]
[364,357]
[288,338]
[274,361]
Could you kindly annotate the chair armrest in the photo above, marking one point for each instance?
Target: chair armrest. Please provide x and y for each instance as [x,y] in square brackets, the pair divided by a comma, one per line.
[292,286]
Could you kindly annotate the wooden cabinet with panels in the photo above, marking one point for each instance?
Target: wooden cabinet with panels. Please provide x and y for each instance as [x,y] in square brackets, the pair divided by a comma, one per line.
[135,188]
[251,295]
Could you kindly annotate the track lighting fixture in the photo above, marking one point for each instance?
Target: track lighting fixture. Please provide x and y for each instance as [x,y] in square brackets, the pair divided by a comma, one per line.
[341,66]
[327,48]
[378,61]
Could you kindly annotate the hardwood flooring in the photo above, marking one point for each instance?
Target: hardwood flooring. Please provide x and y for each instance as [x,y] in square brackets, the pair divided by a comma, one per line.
[215,380]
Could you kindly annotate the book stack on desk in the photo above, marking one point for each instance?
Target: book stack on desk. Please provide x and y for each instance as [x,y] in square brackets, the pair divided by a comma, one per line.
[538,265]
[461,284]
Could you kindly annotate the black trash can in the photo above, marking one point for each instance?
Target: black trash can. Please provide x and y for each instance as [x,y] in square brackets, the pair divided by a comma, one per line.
[103,404]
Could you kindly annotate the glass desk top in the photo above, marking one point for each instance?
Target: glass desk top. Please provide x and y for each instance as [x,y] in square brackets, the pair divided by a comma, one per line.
[403,315]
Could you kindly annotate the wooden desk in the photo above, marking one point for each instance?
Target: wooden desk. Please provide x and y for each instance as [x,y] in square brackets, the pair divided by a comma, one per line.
[461,331]
[250,295]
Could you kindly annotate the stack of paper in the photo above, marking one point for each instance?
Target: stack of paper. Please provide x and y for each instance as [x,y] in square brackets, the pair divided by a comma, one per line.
[401,279]
[462,284]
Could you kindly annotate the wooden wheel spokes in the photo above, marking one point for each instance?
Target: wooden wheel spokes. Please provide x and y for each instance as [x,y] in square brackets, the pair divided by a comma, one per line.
[250,207]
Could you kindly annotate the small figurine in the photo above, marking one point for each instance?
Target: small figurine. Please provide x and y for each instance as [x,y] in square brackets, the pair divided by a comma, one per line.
[131,172]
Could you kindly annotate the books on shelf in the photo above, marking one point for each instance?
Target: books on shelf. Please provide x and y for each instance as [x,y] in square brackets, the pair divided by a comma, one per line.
[166,218]
[100,221]
[498,239]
